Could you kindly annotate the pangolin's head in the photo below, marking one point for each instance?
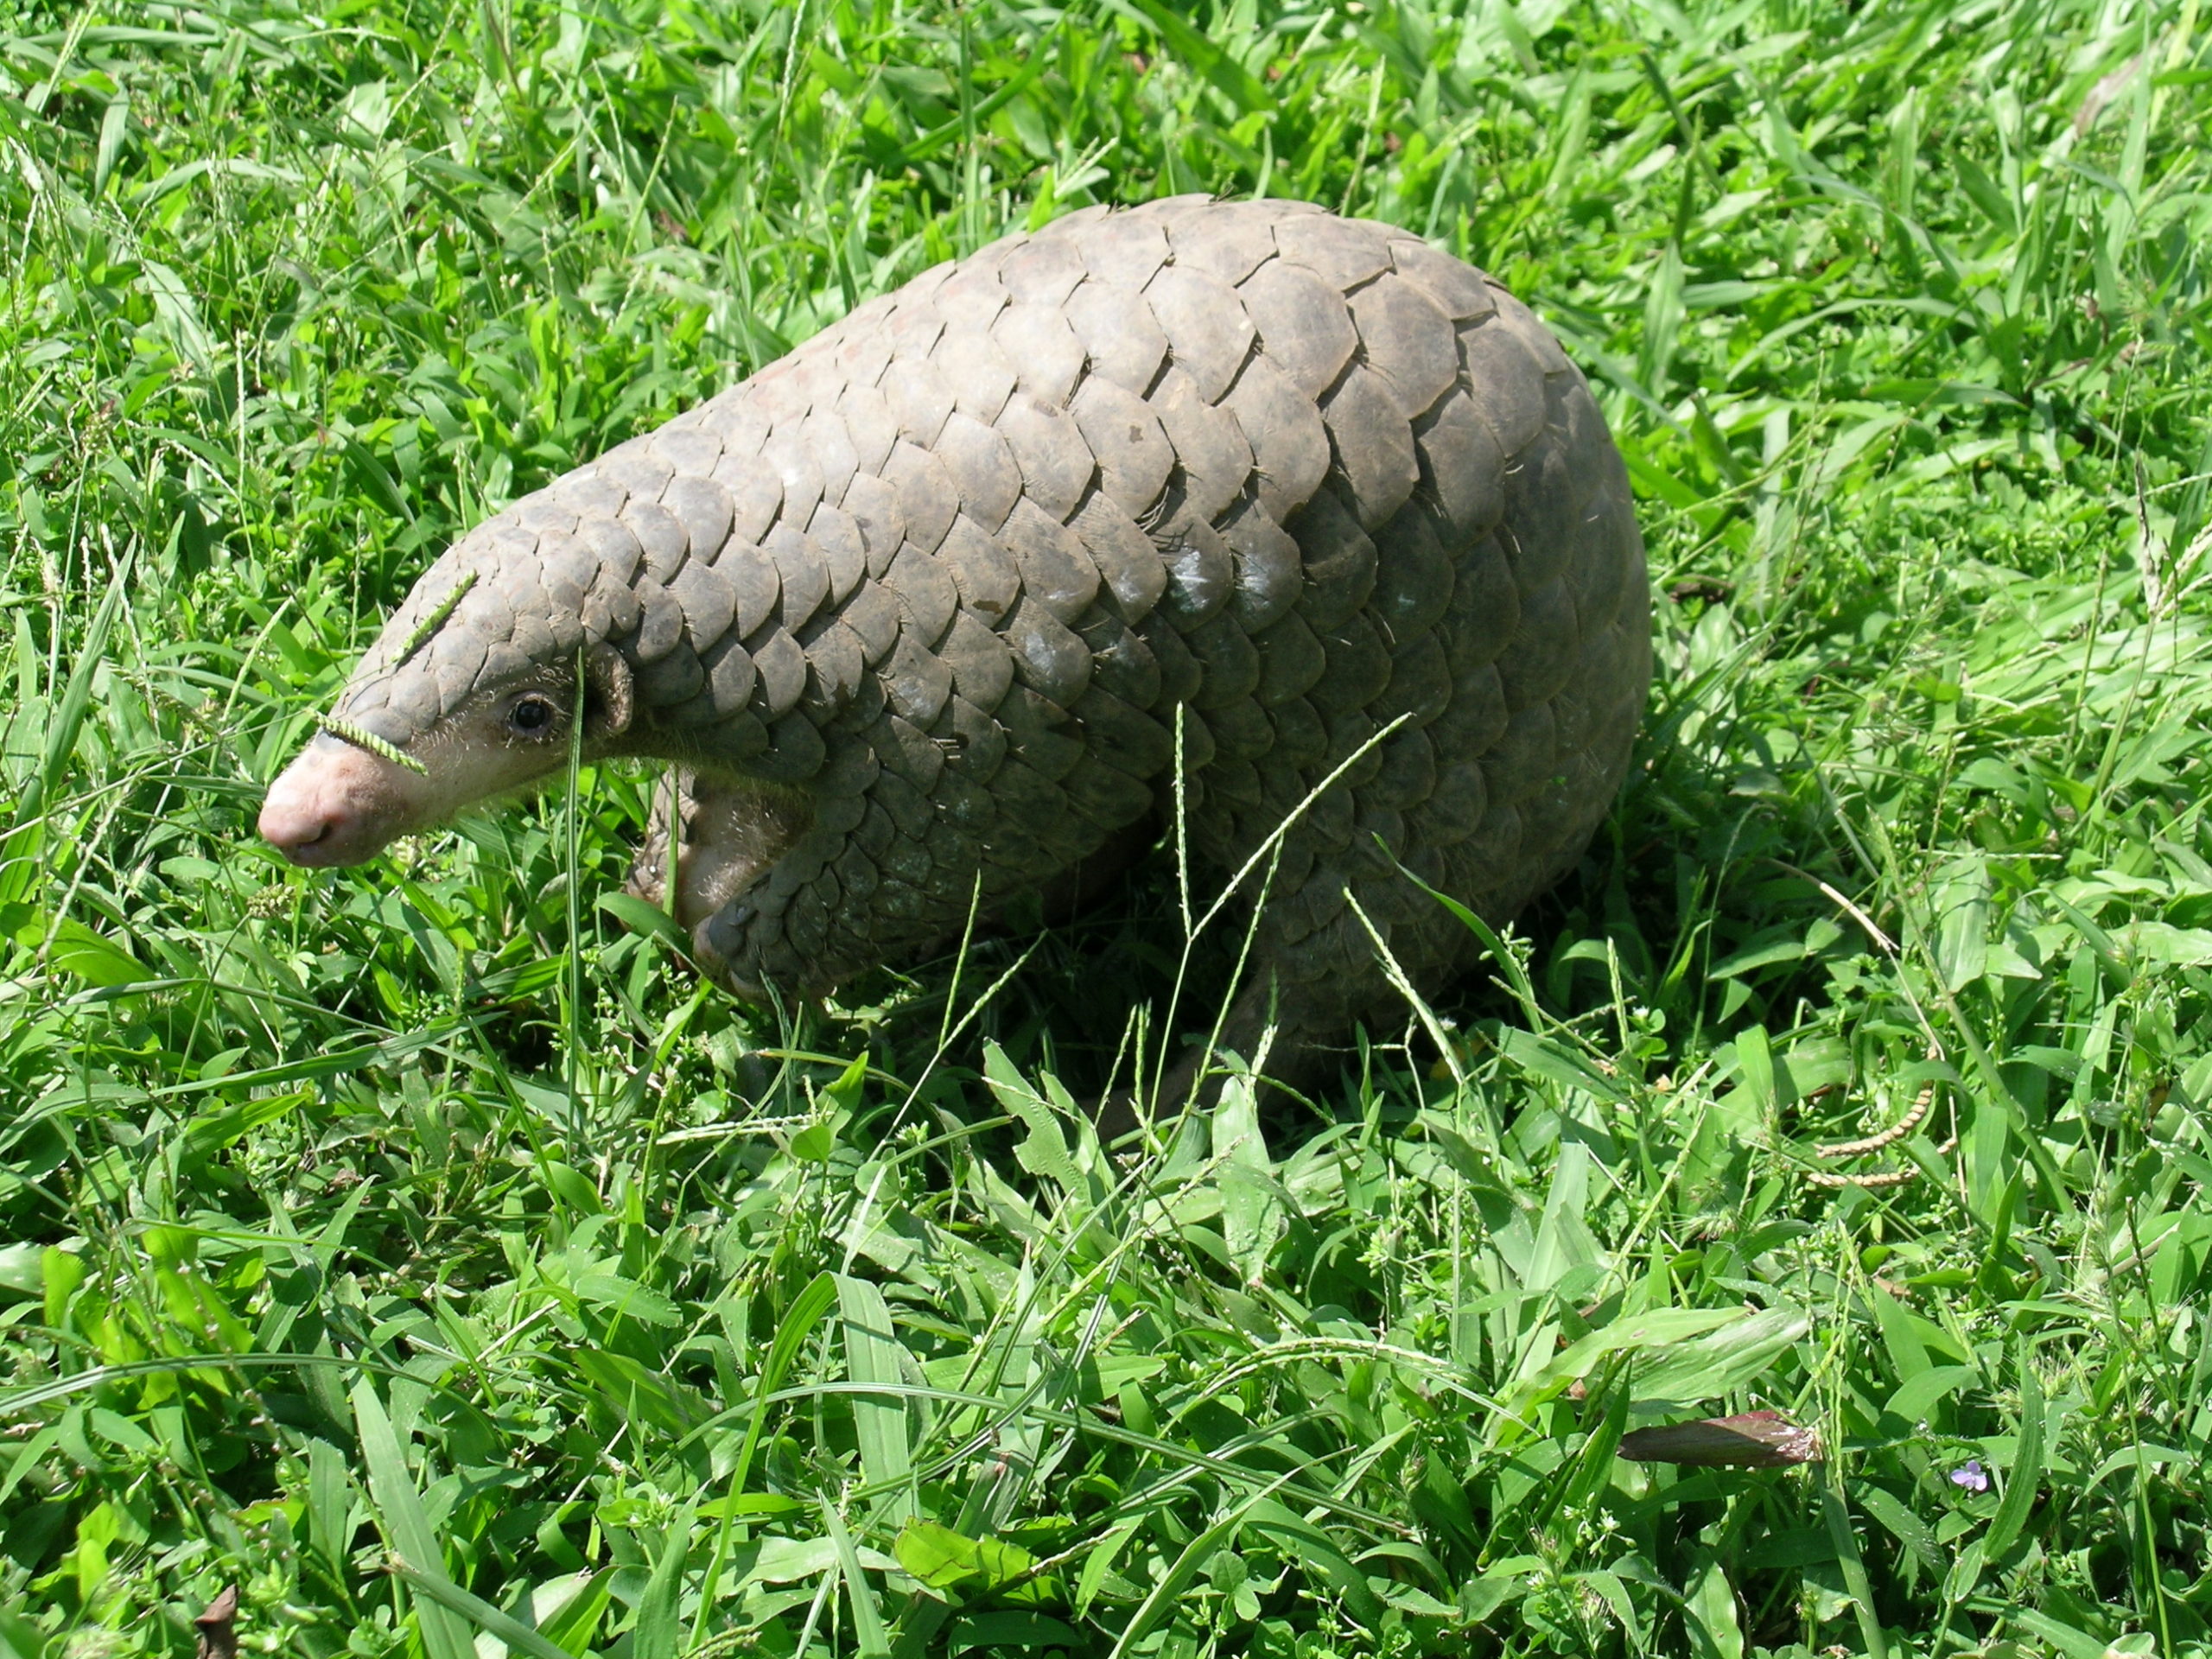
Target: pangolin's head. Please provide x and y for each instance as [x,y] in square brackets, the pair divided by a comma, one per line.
[625,594]
[472,691]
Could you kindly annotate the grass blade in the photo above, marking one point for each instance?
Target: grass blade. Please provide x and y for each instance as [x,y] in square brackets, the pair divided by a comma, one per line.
[406,1526]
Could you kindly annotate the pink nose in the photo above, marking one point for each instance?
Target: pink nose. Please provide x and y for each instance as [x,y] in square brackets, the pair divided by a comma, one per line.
[335,804]
[298,822]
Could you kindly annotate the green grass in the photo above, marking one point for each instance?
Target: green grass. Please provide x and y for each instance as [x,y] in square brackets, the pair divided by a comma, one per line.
[443,1287]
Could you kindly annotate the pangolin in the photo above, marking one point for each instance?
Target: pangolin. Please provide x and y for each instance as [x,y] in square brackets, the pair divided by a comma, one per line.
[1194,507]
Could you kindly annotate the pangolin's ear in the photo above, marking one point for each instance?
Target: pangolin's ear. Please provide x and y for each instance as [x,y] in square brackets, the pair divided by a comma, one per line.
[614,693]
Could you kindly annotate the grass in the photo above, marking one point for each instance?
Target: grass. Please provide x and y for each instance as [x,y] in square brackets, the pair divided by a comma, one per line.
[440,1265]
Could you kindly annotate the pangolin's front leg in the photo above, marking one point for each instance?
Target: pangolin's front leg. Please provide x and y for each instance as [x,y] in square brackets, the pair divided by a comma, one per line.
[726,836]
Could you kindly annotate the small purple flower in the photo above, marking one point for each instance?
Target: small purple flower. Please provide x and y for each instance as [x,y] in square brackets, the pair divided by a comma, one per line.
[1971,1476]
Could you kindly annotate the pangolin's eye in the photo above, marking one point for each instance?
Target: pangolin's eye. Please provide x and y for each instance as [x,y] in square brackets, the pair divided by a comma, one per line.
[532,715]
